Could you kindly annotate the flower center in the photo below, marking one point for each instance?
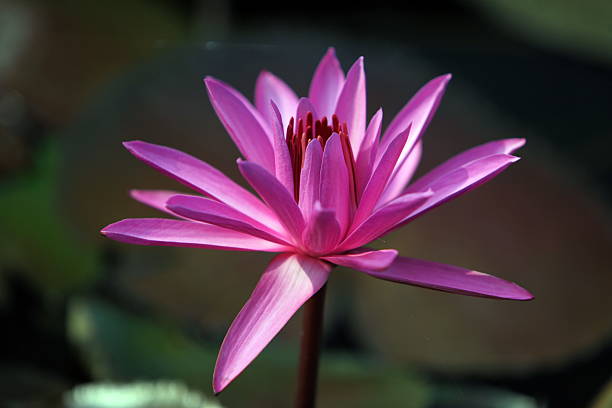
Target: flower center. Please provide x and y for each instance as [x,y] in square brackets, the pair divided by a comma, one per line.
[307,129]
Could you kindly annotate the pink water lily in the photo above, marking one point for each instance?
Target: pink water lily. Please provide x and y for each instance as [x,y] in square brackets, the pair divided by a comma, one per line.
[327,185]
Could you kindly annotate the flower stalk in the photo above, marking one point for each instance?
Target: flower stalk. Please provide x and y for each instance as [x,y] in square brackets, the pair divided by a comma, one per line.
[312,329]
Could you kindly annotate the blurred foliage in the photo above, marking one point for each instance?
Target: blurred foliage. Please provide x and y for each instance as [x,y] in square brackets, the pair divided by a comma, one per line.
[34,236]
[121,346]
[118,346]
[604,400]
[474,397]
[136,395]
[580,27]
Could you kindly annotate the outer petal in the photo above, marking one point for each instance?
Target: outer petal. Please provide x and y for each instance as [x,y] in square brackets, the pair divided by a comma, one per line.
[461,180]
[384,219]
[351,107]
[504,146]
[214,212]
[155,198]
[288,282]
[202,177]
[367,153]
[334,181]
[450,278]
[243,122]
[276,196]
[403,173]
[271,88]
[364,259]
[165,232]
[282,159]
[418,112]
[379,177]
[310,177]
[326,84]
[322,233]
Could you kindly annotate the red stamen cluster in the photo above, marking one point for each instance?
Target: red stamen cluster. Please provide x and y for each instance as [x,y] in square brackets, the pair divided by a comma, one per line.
[307,130]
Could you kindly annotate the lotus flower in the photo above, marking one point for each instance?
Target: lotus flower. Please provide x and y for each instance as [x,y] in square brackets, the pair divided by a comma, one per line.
[327,184]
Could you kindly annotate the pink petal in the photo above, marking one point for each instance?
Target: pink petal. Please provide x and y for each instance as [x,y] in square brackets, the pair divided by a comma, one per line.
[465,178]
[322,233]
[154,198]
[310,177]
[326,84]
[247,128]
[367,153]
[504,146]
[282,159]
[166,232]
[351,107]
[214,212]
[334,193]
[384,219]
[276,196]
[450,278]
[202,177]
[288,282]
[271,88]
[418,112]
[403,173]
[364,259]
[379,177]
[304,106]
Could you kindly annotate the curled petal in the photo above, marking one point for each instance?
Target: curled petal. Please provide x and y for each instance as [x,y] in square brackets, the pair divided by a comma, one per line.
[288,282]
[364,259]
[243,122]
[166,232]
[326,84]
[271,88]
[450,278]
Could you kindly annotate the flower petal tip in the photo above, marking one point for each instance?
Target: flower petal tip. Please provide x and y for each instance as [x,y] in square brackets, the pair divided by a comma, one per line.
[133,144]
[516,143]
[521,294]
[219,385]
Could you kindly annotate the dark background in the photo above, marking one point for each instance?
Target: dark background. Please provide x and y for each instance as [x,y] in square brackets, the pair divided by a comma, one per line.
[79,77]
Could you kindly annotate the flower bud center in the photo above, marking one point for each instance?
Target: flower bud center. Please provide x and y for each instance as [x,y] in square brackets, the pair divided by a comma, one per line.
[306,130]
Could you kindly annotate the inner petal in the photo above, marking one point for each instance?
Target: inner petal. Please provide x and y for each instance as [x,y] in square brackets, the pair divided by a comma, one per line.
[306,129]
